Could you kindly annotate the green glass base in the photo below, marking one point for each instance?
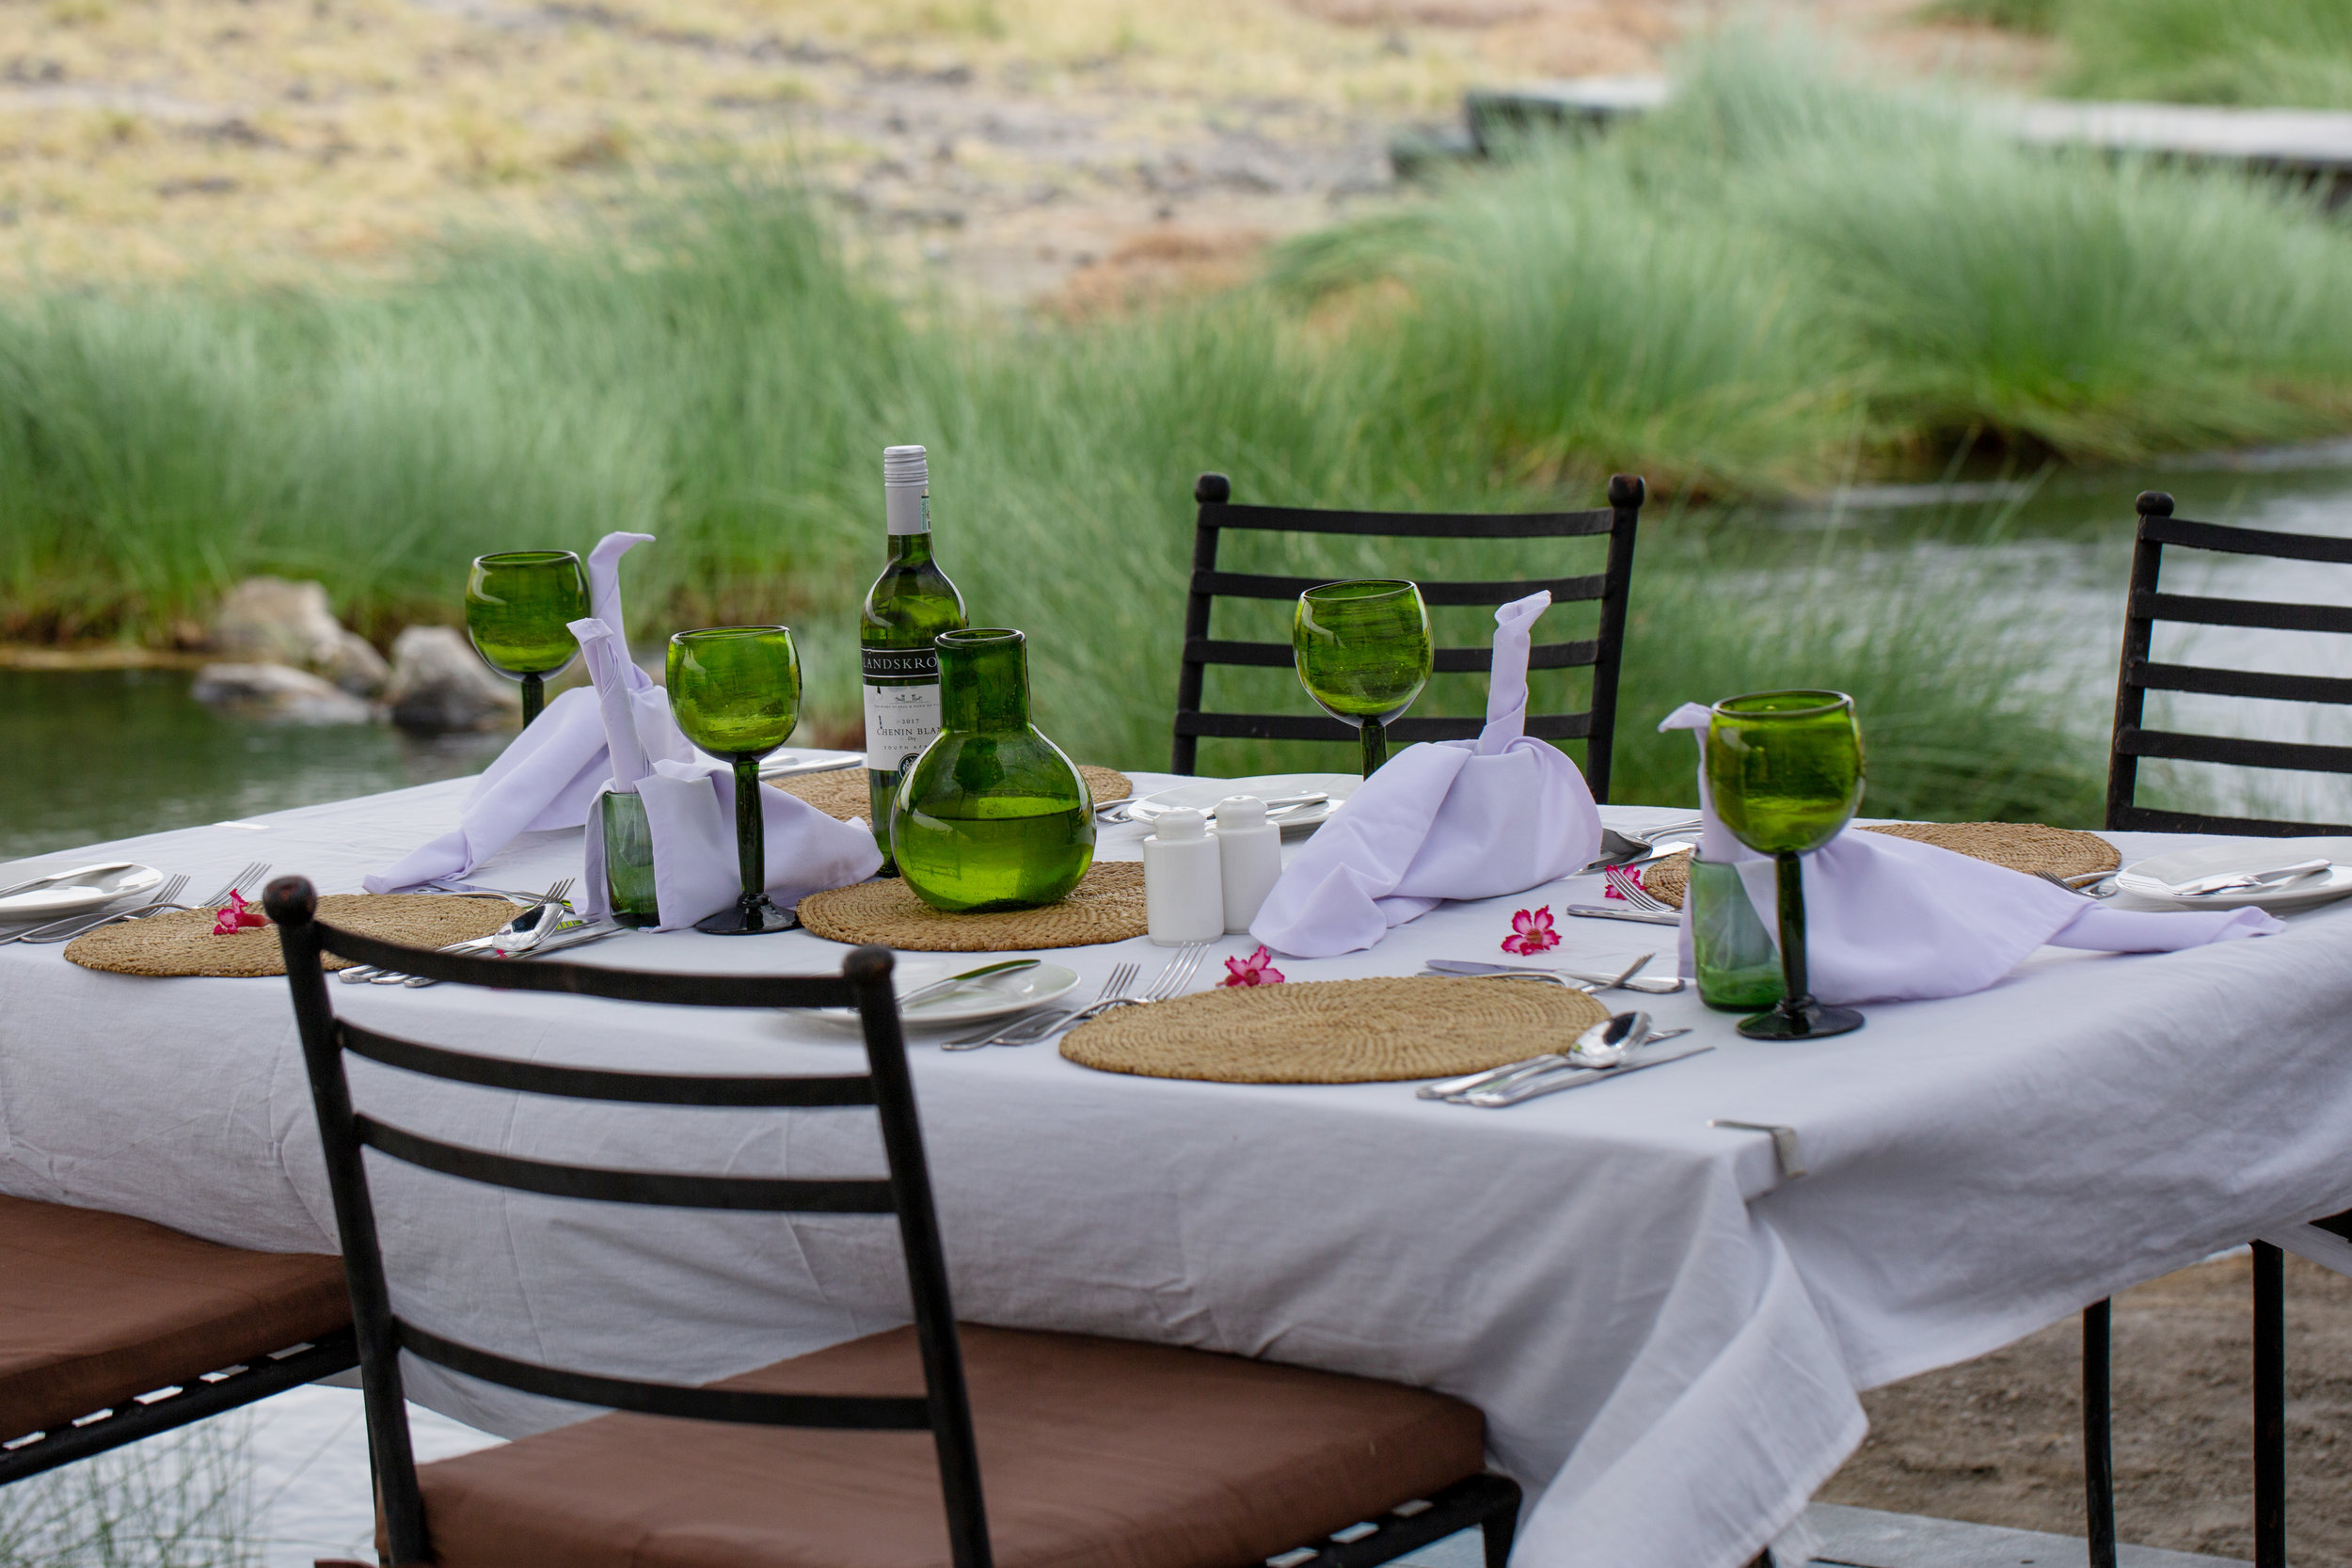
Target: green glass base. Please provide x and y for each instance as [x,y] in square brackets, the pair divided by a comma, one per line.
[750,917]
[1809,1020]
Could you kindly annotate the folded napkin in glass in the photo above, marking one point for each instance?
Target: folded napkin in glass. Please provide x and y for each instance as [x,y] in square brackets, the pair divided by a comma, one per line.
[1893,920]
[690,811]
[549,775]
[1444,819]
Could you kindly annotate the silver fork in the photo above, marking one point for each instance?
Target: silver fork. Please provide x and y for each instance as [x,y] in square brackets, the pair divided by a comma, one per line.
[530,924]
[1170,981]
[1633,893]
[1026,1028]
[48,935]
[250,877]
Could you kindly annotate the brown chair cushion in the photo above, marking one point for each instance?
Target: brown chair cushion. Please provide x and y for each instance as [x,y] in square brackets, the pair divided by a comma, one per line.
[97,1307]
[1094,1453]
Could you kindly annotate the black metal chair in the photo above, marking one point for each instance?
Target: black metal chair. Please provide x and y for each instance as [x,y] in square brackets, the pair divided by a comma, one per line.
[1087,1448]
[2147,606]
[113,1329]
[1596,726]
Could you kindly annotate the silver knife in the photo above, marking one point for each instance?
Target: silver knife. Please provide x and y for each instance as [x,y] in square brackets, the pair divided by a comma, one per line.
[1602,911]
[1658,987]
[64,877]
[1551,1081]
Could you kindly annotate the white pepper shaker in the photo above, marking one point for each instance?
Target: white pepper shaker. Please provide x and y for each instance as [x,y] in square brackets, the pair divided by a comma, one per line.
[1250,858]
[1184,897]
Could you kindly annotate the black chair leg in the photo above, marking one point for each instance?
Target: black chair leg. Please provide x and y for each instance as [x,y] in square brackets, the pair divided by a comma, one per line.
[2270,1407]
[2098,1436]
[1496,1530]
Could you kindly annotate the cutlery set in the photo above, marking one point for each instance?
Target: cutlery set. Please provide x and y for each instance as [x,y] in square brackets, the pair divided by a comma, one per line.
[1028,1030]
[1614,1046]
[543,926]
[162,902]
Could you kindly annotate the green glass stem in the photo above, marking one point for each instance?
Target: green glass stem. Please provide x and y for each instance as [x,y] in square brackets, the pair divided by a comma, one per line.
[535,697]
[751,832]
[1375,737]
[1788,870]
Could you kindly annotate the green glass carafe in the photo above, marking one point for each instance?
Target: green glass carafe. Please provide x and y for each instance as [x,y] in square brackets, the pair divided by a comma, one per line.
[991,816]
[1739,967]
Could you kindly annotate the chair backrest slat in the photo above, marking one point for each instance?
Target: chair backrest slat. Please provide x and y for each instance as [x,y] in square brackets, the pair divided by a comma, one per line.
[1602,654]
[873,1412]
[2145,604]
[1412,525]
[2190,609]
[676,1190]
[576,1083]
[346,1134]
[2241,683]
[2164,528]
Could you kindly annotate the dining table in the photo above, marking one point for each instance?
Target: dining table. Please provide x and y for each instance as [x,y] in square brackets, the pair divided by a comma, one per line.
[1666,1320]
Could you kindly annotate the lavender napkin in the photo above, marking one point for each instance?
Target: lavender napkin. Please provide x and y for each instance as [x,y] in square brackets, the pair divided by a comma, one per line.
[689,811]
[548,774]
[1444,819]
[1891,920]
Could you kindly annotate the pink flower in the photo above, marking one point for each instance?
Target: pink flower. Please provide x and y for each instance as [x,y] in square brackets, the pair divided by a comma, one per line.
[236,915]
[1611,890]
[1530,932]
[1256,969]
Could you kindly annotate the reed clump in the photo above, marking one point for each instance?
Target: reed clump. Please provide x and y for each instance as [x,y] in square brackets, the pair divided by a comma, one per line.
[1782,282]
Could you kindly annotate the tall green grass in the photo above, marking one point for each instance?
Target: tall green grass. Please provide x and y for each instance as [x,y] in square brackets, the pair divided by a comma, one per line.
[1781,282]
[2248,52]
[180,1501]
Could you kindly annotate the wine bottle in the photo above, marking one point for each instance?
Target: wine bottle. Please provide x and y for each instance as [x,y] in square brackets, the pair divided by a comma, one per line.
[909,604]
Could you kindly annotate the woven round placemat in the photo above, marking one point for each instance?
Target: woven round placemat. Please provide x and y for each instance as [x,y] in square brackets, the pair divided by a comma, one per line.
[2027,846]
[1336,1031]
[181,942]
[1105,906]
[842,793]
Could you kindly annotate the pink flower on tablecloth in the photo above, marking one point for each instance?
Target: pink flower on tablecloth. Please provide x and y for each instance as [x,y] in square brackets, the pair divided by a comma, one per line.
[1611,890]
[236,915]
[1530,932]
[1256,969]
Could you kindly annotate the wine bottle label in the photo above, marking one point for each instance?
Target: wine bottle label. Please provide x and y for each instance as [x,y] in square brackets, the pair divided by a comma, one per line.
[890,664]
[900,720]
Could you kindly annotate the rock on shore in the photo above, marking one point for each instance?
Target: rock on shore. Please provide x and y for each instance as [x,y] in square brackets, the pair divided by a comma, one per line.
[439,683]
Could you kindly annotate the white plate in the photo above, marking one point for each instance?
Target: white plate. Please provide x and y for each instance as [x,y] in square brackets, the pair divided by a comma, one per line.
[78,891]
[2142,879]
[793,762]
[1204,795]
[990,996]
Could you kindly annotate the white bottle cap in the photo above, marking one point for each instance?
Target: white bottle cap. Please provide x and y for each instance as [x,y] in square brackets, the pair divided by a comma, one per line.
[1240,811]
[1177,826]
[906,466]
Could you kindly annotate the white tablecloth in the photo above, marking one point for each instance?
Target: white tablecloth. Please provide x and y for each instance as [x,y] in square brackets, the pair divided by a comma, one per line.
[1665,1336]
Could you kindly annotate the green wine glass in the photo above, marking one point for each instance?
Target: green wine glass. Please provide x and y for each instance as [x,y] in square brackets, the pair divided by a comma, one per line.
[1363,655]
[1783,770]
[736,693]
[519,608]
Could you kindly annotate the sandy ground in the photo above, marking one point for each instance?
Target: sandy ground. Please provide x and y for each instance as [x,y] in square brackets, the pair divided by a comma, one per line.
[1998,1441]
[1017,148]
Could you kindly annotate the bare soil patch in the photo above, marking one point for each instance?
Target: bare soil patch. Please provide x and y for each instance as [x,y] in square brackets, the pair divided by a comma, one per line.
[1998,1441]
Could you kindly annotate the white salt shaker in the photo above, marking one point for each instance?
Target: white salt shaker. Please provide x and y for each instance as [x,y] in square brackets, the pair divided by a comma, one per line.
[1250,858]
[1183,899]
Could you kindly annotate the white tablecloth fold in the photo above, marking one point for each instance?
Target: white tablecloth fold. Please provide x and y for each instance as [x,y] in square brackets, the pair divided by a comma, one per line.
[1892,920]
[1444,819]
[548,774]
[689,813]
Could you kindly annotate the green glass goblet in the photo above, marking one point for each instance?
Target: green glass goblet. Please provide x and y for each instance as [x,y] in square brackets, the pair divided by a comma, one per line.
[1783,770]
[1363,655]
[736,693]
[520,608]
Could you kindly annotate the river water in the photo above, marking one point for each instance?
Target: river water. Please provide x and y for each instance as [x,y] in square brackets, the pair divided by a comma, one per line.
[93,756]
